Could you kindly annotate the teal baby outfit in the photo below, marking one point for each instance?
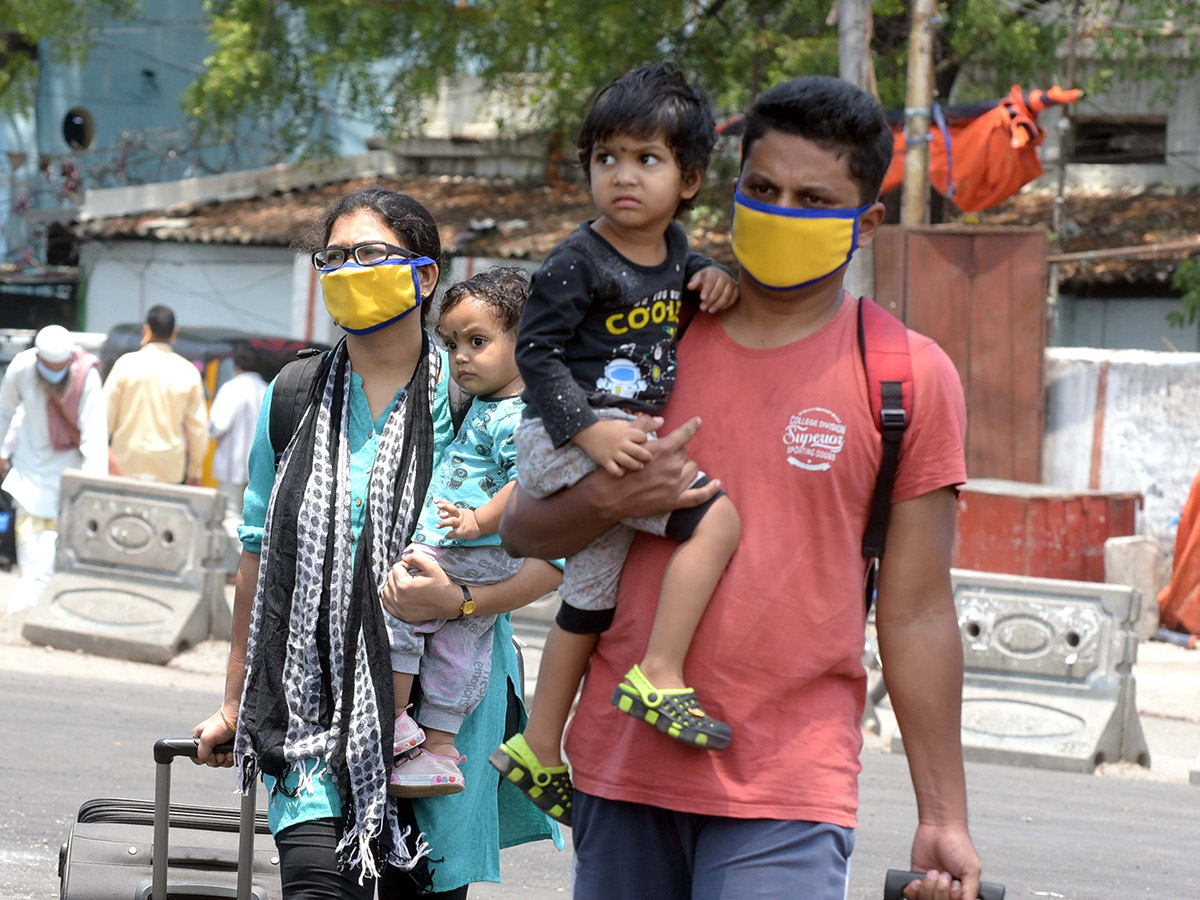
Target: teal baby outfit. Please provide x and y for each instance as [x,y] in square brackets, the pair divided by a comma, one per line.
[473,468]
[465,831]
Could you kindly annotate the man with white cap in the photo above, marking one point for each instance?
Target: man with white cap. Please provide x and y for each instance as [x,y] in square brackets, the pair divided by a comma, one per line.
[63,427]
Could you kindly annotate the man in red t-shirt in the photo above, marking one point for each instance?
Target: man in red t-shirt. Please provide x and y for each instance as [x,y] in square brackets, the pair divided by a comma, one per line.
[779,383]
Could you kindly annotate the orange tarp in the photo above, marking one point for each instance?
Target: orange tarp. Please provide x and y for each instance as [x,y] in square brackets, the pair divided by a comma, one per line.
[992,156]
[1179,602]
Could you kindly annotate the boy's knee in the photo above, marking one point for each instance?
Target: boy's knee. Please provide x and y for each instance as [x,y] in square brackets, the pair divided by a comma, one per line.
[721,525]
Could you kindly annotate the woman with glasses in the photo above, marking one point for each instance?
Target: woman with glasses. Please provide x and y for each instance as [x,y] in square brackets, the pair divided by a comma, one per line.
[308,694]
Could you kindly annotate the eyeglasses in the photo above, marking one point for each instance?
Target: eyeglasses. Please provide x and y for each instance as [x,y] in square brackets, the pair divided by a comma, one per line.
[371,253]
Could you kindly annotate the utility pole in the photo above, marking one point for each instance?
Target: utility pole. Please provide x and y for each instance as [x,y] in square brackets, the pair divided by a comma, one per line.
[918,103]
[1057,211]
[854,66]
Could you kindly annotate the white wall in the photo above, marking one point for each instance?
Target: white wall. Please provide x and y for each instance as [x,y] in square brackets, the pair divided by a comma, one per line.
[1149,435]
[247,288]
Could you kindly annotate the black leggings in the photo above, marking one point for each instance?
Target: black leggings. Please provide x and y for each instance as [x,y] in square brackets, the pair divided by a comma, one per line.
[308,869]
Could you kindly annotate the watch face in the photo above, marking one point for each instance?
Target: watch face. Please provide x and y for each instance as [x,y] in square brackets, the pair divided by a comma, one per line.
[468,607]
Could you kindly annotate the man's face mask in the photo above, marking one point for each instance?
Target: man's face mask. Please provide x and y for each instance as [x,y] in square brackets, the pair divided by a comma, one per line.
[785,248]
[362,299]
[53,376]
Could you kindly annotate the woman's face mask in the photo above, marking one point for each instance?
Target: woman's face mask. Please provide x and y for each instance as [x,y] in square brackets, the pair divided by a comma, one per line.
[785,248]
[53,376]
[362,299]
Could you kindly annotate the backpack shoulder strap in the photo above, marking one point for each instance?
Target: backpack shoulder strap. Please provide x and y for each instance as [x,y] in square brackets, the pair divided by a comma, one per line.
[291,395]
[883,342]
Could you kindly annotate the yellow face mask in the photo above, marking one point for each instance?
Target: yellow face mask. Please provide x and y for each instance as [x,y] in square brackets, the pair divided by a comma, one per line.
[363,299]
[785,248]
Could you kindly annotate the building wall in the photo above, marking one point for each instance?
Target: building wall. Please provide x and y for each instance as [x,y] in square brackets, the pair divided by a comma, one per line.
[1181,108]
[1125,420]
[248,288]
[1120,323]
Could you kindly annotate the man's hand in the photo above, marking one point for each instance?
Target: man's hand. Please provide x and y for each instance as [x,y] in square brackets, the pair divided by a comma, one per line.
[460,520]
[947,856]
[615,446]
[717,290]
[5,465]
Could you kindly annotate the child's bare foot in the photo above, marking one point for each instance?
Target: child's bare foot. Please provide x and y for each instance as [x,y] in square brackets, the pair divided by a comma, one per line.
[662,674]
[548,750]
[440,743]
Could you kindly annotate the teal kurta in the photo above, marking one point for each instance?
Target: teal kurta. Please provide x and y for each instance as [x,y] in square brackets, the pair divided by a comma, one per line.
[465,831]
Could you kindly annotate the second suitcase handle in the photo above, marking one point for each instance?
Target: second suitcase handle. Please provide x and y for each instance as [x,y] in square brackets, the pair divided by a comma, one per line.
[165,752]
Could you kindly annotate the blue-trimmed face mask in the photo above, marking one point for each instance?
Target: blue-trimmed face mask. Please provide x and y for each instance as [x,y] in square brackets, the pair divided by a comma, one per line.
[363,299]
[785,248]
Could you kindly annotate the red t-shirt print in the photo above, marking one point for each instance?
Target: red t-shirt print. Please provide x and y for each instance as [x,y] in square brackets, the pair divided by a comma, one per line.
[789,432]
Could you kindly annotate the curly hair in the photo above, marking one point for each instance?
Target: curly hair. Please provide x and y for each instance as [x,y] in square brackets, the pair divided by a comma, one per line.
[503,289]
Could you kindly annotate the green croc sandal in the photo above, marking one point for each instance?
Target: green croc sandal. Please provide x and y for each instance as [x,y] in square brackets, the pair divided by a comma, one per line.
[549,787]
[676,712]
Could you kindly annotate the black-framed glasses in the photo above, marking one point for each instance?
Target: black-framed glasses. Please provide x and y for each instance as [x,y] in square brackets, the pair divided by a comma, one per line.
[372,253]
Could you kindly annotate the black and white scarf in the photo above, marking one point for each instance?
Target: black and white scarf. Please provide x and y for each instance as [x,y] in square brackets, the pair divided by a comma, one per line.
[318,675]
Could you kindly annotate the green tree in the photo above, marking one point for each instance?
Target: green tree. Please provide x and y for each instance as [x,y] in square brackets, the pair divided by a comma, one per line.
[287,62]
[63,28]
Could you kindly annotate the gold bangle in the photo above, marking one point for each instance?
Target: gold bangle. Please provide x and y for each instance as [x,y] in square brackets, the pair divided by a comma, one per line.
[232,726]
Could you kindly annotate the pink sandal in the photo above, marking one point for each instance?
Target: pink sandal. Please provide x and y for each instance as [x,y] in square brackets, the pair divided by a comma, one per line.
[420,773]
[406,735]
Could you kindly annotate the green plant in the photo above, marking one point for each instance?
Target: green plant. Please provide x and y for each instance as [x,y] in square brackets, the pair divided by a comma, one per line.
[1186,280]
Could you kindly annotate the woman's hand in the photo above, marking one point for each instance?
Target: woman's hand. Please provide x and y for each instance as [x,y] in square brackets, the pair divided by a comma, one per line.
[213,732]
[417,590]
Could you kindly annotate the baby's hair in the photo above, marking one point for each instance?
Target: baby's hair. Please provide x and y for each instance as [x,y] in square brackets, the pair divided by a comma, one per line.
[503,289]
[648,101]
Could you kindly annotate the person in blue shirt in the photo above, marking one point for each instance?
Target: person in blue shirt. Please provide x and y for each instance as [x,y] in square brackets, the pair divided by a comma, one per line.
[471,483]
[308,693]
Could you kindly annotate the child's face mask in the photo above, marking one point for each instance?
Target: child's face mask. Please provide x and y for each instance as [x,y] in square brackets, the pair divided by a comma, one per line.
[363,299]
[785,248]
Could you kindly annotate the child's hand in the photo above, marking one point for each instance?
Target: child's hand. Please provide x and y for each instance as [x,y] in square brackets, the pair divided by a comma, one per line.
[614,445]
[717,290]
[461,521]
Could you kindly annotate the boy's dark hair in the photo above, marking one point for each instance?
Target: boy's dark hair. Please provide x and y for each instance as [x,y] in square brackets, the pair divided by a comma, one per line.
[834,114]
[245,357]
[503,289]
[648,101]
[161,322]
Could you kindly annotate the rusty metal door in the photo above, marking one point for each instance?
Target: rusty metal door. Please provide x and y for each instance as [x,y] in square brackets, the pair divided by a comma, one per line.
[981,294]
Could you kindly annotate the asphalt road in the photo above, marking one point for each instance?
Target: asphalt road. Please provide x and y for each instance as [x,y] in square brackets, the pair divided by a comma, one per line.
[82,728]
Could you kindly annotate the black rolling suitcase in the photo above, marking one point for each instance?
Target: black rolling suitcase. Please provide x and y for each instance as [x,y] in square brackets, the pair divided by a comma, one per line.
[143,850]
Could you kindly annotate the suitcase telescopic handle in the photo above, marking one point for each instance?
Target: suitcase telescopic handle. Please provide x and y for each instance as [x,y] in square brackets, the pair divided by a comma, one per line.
[165,752]
[896,881]
[168,749]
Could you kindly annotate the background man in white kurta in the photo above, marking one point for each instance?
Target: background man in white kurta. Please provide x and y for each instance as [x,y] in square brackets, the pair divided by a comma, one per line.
[63,427]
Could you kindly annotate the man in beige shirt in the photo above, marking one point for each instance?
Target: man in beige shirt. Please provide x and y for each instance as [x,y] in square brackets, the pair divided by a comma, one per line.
[155,400]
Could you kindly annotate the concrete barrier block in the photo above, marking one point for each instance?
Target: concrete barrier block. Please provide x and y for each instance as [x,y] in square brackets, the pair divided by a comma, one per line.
[139,622]
[137,569]
[1135,561]
[1048,671]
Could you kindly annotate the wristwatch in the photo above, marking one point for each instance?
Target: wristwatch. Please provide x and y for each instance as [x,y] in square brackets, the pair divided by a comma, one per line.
[468,605]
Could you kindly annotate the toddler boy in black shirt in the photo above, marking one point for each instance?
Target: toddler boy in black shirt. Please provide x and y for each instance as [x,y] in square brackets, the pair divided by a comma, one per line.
[596,348]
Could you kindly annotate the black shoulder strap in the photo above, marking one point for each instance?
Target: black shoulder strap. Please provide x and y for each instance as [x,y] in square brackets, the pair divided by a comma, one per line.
[291,395]
[460,403]
[883,344]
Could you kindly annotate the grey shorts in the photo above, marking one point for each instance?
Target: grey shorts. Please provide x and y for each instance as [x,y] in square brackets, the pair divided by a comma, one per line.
[591,576]
[629,851]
